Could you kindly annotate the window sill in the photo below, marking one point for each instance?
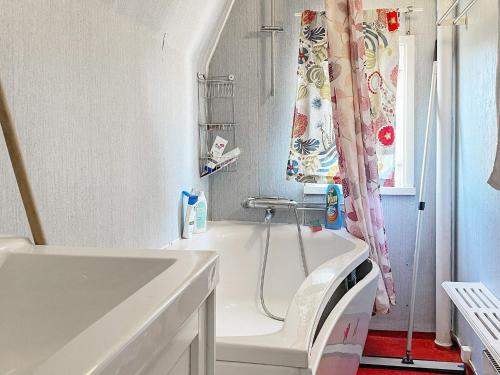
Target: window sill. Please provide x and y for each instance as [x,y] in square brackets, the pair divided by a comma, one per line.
[319,189]
[398,191]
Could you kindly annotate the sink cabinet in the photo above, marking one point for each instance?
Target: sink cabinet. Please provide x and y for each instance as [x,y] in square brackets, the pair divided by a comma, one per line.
[192,350]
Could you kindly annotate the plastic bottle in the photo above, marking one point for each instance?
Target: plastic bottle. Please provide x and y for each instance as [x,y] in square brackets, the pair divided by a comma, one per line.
[187,231]
[333,218]
[185,198]
[200,225]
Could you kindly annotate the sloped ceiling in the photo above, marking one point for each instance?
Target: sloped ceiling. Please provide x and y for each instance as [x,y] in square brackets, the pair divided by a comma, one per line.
[190,26]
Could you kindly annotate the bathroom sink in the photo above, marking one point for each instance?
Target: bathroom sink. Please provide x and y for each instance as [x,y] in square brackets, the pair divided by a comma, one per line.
[74,310]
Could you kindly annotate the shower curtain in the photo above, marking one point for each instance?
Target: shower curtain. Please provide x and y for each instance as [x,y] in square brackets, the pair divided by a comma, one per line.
[313,152]
[381,39]
[356,137]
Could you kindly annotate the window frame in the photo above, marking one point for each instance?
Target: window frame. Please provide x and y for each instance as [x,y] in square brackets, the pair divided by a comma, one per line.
[405,184]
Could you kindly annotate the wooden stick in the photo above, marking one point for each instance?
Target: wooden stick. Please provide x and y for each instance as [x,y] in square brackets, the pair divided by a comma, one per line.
[16,159]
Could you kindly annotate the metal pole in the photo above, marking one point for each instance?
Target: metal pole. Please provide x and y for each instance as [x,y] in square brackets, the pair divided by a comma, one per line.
[420,218]
[444,182]
[16,159]
[464,12]
[273,29]
[273,53]
[448,11]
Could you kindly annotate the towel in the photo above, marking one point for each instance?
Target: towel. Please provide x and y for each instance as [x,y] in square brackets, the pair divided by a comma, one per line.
[494,179]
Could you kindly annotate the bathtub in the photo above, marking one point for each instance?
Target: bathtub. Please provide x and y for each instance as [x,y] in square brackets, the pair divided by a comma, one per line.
[326,321]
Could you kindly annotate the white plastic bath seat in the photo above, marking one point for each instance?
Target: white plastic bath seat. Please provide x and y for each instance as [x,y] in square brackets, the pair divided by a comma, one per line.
[290,345]
[243,318]
[336,350]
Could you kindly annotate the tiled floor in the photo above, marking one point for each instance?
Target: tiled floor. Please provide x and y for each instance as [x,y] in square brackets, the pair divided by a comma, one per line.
[393,344]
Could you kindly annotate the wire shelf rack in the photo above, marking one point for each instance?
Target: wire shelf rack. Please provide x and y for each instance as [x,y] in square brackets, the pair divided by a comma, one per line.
[218,127]
[216,117]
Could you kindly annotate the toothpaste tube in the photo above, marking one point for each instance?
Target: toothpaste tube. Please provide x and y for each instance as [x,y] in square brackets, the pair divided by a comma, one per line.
[228,156]
[221,162]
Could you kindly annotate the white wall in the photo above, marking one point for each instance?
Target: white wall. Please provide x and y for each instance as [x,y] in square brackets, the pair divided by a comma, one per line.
[264,137]
[478,204]
[103,96]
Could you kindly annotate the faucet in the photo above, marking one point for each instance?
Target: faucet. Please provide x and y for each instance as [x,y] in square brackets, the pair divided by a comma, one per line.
[268,202]
[269,215]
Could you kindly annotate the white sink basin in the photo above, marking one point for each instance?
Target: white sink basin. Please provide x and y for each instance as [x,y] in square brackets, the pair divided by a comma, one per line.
[79,310]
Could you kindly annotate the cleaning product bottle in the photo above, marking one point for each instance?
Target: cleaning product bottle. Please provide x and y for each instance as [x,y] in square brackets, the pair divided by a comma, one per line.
[187,231]
[333,212]
[200,225]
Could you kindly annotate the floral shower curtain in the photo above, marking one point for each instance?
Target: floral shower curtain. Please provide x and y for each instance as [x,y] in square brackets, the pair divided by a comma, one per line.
[356,137]
[313,153]
[336,128]
[381,38]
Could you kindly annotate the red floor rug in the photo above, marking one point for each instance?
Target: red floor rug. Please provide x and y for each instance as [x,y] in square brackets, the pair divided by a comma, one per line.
[374,371]
[393,344]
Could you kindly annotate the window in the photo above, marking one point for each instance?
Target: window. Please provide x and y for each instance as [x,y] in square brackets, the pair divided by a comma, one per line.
[404,183]
[405,113]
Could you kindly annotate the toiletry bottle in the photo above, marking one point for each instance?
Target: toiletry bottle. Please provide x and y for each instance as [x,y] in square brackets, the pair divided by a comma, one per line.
[188,229]
[185,198]
[200,225]
[333,218]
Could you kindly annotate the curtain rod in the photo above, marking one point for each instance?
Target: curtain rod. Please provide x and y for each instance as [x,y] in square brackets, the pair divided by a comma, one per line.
[407,10]
[455,21]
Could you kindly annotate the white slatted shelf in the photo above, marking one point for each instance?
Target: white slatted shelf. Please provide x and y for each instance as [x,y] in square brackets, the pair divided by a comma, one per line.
[481,309]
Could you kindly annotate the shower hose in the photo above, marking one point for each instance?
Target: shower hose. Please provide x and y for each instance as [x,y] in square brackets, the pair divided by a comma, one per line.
[264,264]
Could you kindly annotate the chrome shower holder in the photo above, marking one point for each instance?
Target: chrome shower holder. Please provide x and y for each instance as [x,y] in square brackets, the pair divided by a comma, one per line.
[273,29]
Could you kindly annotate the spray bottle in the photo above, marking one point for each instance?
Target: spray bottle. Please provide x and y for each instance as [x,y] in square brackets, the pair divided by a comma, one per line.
[333,218]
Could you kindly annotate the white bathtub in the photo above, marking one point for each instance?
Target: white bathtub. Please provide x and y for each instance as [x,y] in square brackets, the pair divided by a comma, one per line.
[325,325]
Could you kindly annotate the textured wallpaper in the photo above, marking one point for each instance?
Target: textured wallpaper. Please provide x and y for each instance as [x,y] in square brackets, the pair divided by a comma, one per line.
[104,99]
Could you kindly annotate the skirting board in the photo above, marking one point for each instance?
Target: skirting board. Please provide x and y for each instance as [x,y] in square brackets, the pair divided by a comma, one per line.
[470,366]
